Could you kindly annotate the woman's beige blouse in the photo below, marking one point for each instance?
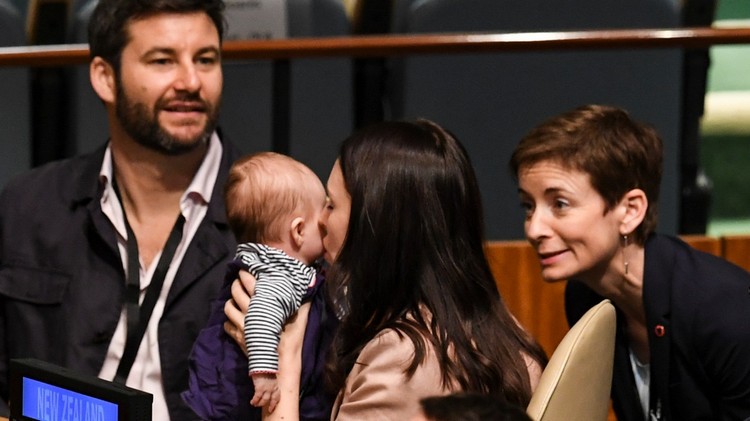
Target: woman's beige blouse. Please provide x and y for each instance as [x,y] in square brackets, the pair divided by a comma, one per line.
[377,388]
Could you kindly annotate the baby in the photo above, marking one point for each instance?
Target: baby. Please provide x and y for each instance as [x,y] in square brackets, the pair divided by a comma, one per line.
[273,206]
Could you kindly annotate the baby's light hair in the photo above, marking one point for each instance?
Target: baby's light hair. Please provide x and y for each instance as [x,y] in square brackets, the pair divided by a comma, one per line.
[264,190]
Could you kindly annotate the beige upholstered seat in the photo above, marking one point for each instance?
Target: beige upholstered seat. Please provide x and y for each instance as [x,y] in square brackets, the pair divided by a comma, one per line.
[575,385]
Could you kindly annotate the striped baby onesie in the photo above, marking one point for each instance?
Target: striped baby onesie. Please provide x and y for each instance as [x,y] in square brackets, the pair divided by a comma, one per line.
[281,282]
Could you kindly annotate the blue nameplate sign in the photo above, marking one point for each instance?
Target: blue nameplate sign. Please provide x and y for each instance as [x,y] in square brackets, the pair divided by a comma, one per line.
[45,402]
[41,391]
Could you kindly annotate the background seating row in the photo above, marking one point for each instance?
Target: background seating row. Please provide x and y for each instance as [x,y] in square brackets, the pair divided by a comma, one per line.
[489,100]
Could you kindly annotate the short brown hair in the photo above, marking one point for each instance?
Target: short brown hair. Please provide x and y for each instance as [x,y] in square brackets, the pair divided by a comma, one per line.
[261,190]
[618,153]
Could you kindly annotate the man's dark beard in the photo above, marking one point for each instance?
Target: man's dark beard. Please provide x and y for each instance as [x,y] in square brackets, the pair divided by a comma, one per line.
[144,127]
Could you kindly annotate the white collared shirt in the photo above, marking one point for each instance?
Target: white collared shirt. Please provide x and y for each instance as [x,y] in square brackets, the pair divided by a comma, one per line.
[146,372]
[642,376]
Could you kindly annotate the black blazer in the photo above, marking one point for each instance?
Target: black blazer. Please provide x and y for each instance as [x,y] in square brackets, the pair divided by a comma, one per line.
[698,318]
[62,283]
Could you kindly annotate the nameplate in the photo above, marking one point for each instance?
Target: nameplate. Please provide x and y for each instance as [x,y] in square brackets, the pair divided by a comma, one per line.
[46,402]
[40,391]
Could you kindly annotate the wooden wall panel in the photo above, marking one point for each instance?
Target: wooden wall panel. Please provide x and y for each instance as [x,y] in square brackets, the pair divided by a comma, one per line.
[538,305]
[736,249]
[711,245]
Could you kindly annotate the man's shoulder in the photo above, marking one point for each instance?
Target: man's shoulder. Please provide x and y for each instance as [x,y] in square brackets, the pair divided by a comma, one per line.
[59,179]
[50,170]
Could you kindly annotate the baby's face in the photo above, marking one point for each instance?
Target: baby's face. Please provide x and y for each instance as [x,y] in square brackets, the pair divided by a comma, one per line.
[312,248]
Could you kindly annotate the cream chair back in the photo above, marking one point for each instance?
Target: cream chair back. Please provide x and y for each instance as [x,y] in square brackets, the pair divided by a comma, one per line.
[576,384]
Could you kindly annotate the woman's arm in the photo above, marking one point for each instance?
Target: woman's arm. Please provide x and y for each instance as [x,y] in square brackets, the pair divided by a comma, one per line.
[290,367]
[290,346]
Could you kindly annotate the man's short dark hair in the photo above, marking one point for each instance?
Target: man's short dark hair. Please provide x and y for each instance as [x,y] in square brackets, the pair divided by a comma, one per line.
[107,30]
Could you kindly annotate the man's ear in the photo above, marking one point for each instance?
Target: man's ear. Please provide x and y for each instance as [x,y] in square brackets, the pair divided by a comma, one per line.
[635,205]
[297,229]
[102,76]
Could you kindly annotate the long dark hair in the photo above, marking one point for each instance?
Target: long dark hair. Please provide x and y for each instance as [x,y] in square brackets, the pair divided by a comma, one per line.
[413,261]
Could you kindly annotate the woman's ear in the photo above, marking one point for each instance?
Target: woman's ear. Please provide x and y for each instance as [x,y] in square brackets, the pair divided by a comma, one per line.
[635,205]
[297,229]
[102,76]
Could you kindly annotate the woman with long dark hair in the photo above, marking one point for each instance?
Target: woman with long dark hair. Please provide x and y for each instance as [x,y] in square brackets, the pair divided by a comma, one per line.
[421,314]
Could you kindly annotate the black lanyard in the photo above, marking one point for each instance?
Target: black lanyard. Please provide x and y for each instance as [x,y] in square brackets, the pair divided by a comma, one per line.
[139,315]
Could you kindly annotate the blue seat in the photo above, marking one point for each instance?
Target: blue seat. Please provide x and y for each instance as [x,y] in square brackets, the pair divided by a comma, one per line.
[490,101]
[320,93]
[15,100]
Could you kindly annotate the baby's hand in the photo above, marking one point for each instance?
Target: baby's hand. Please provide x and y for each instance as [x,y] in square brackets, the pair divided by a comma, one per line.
[266,391]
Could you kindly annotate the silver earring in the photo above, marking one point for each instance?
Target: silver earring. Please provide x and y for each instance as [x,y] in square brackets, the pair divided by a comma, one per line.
[625,244]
